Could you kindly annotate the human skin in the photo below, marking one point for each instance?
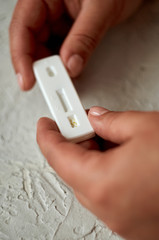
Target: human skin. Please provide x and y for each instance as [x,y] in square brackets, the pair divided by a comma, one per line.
[41,28]
[119,185]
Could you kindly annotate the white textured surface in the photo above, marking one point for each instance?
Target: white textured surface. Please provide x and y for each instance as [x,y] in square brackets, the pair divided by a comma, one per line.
[123,74]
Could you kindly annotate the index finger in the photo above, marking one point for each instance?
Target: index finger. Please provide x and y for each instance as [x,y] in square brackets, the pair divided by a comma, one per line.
[28,17]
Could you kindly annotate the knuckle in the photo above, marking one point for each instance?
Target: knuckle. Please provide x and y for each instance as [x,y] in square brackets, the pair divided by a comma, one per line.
[111,119]
[14,24]
[86,40]
[14,55]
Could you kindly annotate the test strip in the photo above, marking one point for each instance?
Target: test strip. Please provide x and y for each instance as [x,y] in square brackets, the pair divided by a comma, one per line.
[62,99]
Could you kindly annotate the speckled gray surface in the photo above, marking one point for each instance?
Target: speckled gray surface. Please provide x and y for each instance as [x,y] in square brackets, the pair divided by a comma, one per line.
[122,74]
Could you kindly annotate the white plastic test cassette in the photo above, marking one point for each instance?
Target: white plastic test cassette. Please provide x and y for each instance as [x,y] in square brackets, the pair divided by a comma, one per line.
[62,99]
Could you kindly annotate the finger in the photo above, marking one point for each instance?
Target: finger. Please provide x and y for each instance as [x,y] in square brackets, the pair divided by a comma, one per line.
[75,164]
[85,35]
[27,20]
[116,127]
[91,23]
[90,144]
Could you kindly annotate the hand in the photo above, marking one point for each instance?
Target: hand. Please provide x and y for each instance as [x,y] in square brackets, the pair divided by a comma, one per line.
[120,185]
[39,27]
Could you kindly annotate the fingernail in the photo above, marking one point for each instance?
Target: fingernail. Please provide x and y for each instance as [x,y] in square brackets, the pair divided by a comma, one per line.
[75,65]
[20,80]
[98,111]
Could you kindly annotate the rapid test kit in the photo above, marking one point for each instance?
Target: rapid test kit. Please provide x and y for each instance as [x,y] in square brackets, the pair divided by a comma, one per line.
[62,99]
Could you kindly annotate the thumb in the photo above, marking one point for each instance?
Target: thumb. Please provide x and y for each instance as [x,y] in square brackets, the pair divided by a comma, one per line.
[116,127]
[87,30]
